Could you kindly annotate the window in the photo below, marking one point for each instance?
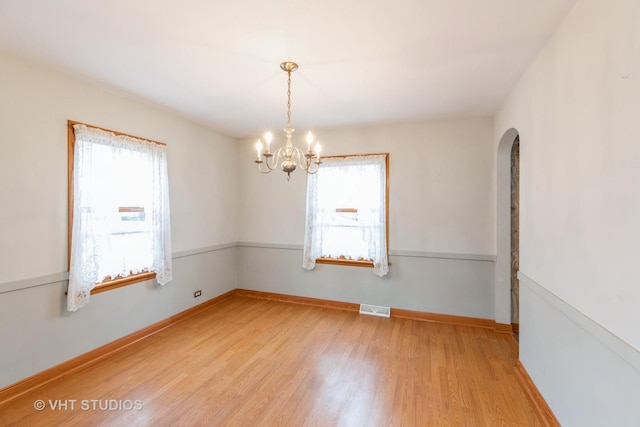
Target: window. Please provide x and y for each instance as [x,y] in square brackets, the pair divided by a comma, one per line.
[119,222]
[347,213]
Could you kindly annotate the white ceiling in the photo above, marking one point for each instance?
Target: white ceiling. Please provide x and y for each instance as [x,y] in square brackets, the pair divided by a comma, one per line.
[361,61]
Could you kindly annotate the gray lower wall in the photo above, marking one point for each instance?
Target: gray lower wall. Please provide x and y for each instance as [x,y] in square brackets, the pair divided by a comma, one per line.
[454,284]
[36,331]
[587,375]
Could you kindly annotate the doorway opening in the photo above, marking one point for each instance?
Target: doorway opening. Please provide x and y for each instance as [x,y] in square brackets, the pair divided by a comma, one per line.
[515,235]
[506,285]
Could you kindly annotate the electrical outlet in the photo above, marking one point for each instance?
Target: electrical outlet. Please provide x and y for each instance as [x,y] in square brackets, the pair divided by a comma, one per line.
[196,294]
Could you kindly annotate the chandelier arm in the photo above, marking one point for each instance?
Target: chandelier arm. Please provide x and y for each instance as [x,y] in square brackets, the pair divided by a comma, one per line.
[305,161]
[276,158]
[262,170]
[299,156]
[311,170]
[309,161]
[266,163]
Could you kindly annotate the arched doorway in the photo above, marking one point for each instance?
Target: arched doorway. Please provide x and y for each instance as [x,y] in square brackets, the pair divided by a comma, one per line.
[506,294]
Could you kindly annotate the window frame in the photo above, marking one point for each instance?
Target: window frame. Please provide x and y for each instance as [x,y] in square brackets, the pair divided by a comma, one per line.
[109,283]
[355,262]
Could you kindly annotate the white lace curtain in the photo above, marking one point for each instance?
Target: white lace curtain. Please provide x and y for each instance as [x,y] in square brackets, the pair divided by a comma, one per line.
[333,229]
[110,172]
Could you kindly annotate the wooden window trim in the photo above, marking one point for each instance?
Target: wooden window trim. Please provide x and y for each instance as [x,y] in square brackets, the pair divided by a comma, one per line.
[345,262]
[119,281]
[354,262]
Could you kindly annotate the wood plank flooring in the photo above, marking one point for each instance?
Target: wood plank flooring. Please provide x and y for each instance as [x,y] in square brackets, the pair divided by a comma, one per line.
[254,362]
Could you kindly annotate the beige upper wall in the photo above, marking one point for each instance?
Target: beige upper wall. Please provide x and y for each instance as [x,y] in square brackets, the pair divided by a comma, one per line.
[441,177]
[440,174]
[576,110]
[35,105]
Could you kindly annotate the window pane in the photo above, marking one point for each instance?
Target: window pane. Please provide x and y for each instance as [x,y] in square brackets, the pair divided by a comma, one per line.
[121,178]
[352,188]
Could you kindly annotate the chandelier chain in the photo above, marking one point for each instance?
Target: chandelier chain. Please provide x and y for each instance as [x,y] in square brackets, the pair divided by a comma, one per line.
[288,99]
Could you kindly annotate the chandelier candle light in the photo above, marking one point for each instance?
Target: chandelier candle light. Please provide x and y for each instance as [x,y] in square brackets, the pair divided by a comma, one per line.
[288,154]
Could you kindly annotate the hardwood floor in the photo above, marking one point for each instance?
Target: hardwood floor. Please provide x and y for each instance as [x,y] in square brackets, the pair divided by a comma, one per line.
[255,362]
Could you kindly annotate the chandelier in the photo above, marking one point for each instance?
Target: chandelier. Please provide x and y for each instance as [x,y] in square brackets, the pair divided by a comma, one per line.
[288,156]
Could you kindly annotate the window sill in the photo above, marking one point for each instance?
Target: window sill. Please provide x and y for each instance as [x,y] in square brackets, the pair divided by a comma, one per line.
[119,282]
[345,262]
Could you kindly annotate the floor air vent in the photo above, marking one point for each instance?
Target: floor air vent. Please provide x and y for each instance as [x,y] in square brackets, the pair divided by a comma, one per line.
[375,310]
